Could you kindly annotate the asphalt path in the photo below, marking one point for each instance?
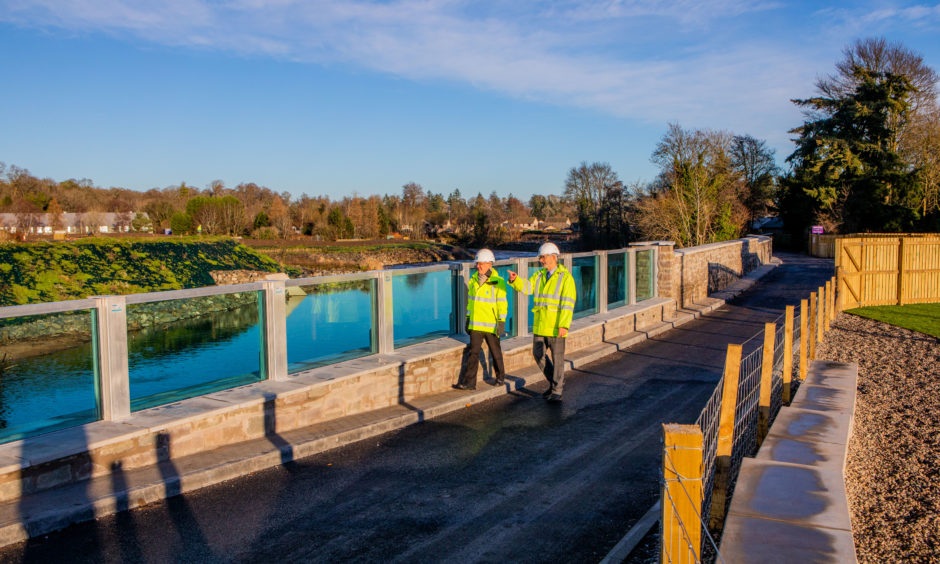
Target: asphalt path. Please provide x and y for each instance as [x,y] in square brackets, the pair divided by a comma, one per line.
[512,479]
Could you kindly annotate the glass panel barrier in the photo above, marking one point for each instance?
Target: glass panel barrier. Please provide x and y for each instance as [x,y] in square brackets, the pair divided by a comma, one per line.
[616,280]
[422,306]
[47,373]
[534,265]
[511,297]
[333,322]
[215,344]
[584,270]
[644,275]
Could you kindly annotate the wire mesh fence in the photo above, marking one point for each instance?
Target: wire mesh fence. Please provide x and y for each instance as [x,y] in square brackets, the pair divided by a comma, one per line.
[747,410]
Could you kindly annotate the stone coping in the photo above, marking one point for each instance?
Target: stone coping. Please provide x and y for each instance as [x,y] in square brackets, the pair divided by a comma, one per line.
[789,502]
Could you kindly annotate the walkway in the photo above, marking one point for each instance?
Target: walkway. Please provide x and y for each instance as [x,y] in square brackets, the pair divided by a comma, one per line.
[511,479]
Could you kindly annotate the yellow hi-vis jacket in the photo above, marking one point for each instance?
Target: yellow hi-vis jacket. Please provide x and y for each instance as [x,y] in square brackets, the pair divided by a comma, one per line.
[553,306]
[486,303]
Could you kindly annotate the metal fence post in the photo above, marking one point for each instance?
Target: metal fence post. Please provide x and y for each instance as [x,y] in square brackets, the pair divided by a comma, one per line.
[601,282]
[275,329]
[462,280]
[110,341]
[522,300]
[631,276]
[384,313]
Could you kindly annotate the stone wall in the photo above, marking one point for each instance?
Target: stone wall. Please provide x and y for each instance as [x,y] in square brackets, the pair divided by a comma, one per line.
[691,274]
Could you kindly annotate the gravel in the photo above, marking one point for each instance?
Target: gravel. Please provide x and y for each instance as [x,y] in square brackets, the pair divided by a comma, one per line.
[893,465]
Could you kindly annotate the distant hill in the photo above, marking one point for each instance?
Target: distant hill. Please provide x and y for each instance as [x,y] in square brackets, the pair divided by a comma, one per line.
[57,271]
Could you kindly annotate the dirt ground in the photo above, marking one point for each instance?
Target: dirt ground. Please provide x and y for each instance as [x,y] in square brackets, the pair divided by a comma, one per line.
[893,465]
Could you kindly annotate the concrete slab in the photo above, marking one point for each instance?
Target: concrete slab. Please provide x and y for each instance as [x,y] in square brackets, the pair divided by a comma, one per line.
[830,431]
[792,493]
[784,543]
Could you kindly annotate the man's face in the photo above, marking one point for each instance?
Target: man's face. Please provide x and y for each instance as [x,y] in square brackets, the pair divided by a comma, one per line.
[549,261]
[484,268]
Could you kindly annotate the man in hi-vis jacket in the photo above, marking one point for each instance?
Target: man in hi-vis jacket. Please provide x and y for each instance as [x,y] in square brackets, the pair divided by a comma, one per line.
[487,308]
[555,294]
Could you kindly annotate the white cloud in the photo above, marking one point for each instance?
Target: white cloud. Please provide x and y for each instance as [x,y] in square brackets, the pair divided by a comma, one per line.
[594,55]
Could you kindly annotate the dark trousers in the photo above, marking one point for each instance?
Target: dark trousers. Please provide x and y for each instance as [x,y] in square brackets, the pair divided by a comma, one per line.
[471,354]
[552,361]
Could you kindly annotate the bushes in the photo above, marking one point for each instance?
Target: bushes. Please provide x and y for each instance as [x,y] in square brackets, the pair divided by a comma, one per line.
[46,272]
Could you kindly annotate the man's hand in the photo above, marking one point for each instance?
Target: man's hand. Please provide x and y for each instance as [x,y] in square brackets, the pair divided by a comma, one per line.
[512,277]
[562,332]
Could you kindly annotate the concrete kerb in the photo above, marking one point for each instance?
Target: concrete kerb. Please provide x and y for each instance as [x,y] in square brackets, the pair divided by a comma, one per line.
[55,509]
[790,503]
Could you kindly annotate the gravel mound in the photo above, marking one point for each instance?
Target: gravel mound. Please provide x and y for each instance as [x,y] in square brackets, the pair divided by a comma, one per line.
[893,467]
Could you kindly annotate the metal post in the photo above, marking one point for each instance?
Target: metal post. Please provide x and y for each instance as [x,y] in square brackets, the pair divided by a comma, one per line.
[384,313]
[600,280]
[631,276]
[275,329]
[111,345]
[522,300]
[462,274]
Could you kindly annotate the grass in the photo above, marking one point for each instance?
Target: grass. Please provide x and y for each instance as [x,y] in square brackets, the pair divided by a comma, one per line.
[923,318]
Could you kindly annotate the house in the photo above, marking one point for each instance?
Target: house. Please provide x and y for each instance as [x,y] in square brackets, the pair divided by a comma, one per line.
[70,223]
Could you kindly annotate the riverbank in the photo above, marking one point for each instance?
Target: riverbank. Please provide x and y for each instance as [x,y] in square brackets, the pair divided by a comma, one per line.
[306,258]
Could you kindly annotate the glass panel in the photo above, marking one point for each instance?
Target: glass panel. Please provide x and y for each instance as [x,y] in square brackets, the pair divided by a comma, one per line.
[616,280]
[331,323]
[584,270]
[503,271]
[644,275]
[179,349]
[534,265]
[47,373]
[422,306]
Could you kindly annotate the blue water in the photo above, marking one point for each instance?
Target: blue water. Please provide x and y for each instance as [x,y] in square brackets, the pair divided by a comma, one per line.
[216,351]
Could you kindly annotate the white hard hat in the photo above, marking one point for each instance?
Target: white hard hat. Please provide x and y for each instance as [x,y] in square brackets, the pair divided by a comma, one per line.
[485,255]
[548,249]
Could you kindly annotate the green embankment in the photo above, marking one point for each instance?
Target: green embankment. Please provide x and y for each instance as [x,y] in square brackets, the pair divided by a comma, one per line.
[923,318]
[49,272]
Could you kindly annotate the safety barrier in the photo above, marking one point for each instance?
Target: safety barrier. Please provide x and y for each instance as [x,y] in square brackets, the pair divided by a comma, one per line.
[134,352]
[701,461]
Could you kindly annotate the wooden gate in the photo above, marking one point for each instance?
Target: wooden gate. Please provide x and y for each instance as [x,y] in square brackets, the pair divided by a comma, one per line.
[887,270]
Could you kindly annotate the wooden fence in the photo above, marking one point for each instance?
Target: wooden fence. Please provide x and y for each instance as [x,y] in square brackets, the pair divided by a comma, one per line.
[887,270]
[701,461]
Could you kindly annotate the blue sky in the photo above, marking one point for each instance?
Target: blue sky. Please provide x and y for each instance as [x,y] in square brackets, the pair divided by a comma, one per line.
[341,97]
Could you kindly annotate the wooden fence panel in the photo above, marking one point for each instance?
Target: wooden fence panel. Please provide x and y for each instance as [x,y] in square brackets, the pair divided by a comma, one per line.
[883,270]
[920,271]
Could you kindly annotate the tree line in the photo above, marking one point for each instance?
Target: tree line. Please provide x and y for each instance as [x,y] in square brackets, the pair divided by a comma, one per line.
[867,158]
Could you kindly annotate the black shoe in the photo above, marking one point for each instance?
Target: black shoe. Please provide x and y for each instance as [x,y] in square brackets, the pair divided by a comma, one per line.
[554,397]
[463,387]
[499,381]
[547,393]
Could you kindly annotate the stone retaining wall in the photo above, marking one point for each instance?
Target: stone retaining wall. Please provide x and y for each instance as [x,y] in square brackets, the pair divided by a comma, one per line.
[689,275]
